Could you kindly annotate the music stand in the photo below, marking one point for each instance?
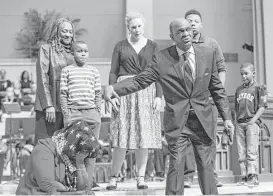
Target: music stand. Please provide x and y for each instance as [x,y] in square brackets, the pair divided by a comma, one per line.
[11,108]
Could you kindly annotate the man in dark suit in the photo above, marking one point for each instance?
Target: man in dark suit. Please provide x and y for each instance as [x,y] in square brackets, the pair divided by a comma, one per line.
[188,76]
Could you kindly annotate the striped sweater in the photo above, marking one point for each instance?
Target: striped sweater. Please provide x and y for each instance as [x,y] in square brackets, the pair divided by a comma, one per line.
[80,88]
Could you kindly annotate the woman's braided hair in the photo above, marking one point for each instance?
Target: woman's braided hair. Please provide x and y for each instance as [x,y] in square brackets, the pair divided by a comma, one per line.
[54,36]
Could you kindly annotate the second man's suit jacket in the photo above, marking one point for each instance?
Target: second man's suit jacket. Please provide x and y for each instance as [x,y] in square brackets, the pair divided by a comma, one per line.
[167,69]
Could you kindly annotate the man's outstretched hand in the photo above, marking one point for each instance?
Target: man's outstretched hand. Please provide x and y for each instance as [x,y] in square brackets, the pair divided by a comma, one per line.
[109,93]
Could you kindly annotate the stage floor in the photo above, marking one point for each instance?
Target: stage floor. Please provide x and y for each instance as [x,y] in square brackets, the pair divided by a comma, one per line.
[157,188]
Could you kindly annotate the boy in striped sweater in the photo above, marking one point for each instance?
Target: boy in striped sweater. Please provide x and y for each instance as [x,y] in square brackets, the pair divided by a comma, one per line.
[80,88]
[81,94]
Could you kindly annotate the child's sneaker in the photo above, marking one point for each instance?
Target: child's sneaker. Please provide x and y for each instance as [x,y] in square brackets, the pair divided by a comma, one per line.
[242,182]
[252,180]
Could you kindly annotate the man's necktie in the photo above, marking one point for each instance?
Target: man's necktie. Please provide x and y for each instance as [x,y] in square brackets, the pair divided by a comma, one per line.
[188,72]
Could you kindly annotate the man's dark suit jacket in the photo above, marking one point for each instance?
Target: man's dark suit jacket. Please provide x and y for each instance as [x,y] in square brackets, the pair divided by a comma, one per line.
[165,68]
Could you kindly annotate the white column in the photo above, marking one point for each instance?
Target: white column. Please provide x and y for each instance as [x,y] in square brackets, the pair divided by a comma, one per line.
[267,6]
[258,44]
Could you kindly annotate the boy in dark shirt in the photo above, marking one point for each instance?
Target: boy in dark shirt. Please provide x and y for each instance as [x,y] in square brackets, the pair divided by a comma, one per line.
[250,103]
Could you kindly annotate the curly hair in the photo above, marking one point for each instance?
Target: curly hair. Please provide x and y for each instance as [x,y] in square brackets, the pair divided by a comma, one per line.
[54,36]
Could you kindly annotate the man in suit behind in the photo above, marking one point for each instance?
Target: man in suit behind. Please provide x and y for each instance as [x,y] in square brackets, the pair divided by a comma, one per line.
[188,76]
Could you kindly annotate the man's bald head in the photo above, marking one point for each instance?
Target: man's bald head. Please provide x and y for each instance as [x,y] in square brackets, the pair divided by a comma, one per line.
[181,33]
[178,22]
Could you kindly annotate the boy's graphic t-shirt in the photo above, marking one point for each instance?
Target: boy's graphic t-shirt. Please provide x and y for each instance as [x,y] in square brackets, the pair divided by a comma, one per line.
[248,99]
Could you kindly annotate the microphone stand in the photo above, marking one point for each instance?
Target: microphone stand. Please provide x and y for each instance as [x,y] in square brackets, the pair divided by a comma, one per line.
[10,143]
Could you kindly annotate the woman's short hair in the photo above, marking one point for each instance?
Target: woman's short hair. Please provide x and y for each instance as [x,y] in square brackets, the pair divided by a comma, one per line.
[132,15]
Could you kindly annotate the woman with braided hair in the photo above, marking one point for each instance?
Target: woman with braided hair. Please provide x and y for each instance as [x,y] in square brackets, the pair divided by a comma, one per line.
[53,56]
[59,164]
